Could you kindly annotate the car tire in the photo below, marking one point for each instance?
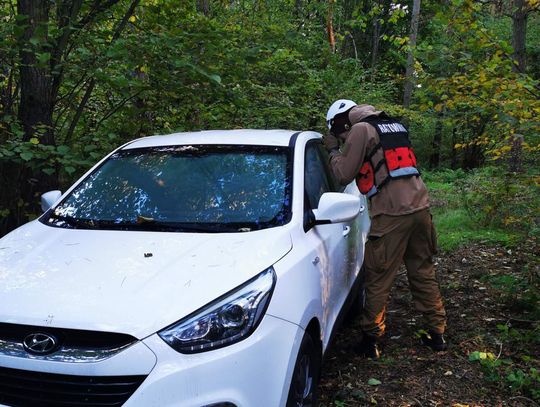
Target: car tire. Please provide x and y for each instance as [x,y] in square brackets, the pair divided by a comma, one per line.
[303,391]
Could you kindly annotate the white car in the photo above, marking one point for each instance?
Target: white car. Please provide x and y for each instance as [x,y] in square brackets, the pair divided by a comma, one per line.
[193,269]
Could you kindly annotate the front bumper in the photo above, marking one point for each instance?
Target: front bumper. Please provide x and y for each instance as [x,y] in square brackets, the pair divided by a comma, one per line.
[253,372]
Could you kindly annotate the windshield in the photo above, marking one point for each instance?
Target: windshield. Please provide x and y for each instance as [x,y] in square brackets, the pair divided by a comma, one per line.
[182,188]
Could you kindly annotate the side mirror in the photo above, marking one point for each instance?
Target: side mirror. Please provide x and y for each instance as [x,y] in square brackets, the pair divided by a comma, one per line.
[49,198]
[335,207]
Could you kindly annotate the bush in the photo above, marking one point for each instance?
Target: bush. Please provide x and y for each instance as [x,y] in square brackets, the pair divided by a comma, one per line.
[505,200]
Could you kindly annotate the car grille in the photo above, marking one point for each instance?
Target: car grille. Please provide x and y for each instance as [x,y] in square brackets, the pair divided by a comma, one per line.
[76,338]
[73,345]
[27,388]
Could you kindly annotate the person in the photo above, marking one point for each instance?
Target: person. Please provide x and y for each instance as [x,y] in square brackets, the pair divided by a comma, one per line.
[376,152]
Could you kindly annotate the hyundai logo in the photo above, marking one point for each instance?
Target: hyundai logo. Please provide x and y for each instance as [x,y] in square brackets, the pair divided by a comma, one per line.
[40,344]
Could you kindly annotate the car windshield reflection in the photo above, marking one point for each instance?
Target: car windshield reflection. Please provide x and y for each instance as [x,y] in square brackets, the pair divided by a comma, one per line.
[184,189]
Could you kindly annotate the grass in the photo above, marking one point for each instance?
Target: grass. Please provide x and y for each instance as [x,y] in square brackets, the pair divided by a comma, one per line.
[456,224]
[456,228]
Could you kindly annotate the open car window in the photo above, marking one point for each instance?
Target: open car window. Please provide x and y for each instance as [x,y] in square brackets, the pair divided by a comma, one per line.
[318,178]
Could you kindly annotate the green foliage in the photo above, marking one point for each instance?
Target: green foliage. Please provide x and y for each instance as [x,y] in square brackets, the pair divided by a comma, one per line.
[521,292]
[519,373]
[478,93]
[503,200]
[521,378]
[458,224]
[268,65]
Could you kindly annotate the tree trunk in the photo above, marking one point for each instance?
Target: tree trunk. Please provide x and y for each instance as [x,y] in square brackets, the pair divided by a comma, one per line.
[330,26]
[36,104]
[37,99]
[409,73]
[375,45]
[453,154]
[203,6]
[515,162]
[473,157]
[298,7]
[435,157]
[519,35]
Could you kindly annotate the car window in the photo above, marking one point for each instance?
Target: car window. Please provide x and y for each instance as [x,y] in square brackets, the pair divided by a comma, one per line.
[334,184]
[174,188]
[316,178]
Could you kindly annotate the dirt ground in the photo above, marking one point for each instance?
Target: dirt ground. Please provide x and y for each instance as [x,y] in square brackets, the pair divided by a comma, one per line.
[412,375]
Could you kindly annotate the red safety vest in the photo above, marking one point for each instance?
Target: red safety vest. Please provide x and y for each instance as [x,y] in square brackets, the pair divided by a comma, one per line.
[398,157]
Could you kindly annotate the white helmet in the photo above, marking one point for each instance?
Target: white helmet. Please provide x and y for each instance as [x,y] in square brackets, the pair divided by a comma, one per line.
[339,106]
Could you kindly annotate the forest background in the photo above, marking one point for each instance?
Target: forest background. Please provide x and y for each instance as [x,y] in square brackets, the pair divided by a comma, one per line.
[80,77]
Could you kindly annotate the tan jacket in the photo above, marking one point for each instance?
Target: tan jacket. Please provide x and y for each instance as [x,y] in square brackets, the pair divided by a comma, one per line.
[401,196]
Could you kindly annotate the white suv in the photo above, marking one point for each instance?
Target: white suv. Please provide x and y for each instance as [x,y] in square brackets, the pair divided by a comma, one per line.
[194,269]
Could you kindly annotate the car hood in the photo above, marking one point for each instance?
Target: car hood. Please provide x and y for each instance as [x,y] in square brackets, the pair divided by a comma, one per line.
[119,281]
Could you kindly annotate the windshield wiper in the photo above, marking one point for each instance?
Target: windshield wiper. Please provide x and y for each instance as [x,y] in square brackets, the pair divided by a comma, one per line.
[147,223]
[199,227]
[73,222]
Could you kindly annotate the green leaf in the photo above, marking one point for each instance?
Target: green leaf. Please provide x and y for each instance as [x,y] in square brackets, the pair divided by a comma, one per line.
[34,141]
[420,332]
[374,382]
[27,156]
[215,78]
[48,171]
[474,356]
[70,170]
[62,149]
[43,57]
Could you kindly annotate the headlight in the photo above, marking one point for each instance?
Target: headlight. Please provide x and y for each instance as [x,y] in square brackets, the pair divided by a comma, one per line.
[227,320]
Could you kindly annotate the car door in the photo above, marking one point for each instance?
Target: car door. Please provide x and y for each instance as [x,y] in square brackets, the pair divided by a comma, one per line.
[352,230]
[330,240]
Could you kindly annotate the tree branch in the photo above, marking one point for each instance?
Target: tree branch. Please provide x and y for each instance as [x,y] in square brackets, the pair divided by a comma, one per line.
[80,108]
[117,107]
[92,83]
[97,8]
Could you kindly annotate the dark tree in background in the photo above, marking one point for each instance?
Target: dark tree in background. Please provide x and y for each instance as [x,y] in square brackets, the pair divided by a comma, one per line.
[42,60]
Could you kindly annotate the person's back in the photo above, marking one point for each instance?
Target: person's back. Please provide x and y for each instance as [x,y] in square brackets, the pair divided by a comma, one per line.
[399,197]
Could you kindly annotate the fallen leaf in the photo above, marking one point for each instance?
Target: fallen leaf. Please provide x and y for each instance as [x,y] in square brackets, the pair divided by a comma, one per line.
[374,382]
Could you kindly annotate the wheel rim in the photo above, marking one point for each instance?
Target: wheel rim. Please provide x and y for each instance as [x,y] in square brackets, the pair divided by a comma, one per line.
[303,382]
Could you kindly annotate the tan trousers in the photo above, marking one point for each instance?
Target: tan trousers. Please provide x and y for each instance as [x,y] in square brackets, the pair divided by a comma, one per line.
[392,241]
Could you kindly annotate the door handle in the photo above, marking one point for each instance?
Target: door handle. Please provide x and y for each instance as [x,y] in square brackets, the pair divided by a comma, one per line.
[346,230]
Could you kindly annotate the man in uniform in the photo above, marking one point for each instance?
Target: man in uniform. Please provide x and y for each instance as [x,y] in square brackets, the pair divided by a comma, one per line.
[376,152]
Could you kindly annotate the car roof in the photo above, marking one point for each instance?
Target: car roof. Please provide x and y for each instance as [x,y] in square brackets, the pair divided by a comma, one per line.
[240,137]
